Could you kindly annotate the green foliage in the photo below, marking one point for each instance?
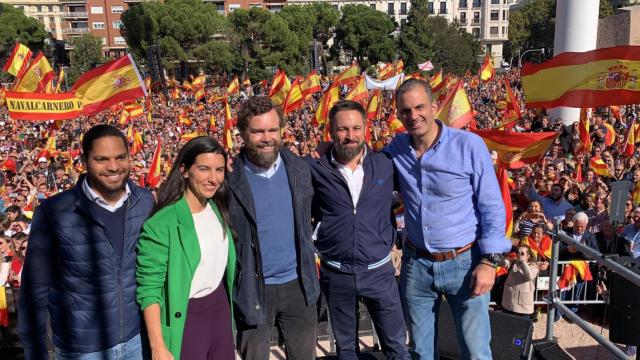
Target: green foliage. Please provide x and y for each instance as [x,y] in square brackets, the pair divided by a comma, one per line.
[87,51]
[425,37]
[532,26]
[606,9]
[15,26]
[216,55]
[366,33]
[179,26]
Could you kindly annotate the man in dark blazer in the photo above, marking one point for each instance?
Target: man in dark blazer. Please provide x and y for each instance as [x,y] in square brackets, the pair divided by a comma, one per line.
[270,210]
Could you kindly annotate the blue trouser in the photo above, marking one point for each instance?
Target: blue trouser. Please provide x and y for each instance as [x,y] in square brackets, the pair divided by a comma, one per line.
[379,290]
[130,350]
[422,285]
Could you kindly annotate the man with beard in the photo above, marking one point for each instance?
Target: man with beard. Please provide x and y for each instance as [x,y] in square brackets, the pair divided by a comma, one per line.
[554,204]
[353,202]
[81,261]
[270,210]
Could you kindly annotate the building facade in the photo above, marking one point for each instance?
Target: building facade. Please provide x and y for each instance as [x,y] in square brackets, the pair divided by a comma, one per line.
[48,12]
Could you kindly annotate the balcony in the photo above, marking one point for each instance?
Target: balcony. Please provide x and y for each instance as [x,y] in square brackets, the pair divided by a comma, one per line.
[75,15]
[75,30]
[463,5]
[462,21]
[442,12]
[477,4]
[73,1]
[475,22]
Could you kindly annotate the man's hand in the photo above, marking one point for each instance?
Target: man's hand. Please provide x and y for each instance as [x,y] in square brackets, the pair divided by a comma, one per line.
[482,279]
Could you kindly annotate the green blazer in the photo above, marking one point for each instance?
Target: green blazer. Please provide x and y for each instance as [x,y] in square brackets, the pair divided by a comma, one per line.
[168,255]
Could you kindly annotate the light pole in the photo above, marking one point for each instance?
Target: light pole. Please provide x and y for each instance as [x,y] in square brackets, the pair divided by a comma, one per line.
[541,50]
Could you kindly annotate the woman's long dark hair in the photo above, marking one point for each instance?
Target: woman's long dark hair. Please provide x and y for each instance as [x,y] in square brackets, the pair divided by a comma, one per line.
[175,185]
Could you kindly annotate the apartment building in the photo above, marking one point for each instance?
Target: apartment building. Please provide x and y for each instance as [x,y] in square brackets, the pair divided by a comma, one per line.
[49,12]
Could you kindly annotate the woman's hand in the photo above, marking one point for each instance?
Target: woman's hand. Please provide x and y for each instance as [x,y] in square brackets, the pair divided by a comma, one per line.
[161,353]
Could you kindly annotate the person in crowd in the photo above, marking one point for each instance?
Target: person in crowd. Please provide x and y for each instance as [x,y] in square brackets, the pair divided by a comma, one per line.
[353,202]
[528,219]
[539,243]
[270,210]
[81,258]
[554,204]
[519,288]
[455,225]
[630,234]
[186,259]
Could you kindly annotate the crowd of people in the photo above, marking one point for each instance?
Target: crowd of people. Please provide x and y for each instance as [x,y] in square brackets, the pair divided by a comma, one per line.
[42,159]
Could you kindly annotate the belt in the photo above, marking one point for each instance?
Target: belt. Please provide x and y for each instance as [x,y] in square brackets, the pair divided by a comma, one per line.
[440,256]
[337,265]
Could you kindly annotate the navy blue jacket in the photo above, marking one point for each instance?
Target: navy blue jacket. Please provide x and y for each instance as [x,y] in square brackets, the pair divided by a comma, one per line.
[72,269]
[588,239]
[249,292]
[354,237]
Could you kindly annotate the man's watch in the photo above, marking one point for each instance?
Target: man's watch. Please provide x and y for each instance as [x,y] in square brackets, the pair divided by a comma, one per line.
[492,259]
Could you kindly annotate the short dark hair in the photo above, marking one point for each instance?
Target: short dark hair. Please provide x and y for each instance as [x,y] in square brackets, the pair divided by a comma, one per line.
[97,132]
[413,83]
[254,106]
[345,105]
[13,209]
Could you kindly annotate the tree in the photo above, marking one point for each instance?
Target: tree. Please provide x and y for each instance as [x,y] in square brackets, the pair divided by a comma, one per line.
[606,9]
[15,26]
[366,33]
[179,26]
[425,37]
[532,26]
[216,55]
[87,51]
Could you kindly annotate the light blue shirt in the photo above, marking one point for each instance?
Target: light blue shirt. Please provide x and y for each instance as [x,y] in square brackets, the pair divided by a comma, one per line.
[552,209]
[264,172]
[451,194]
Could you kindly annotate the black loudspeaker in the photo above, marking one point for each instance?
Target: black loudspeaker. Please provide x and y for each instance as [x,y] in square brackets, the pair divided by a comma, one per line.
[549,350]
[625,302]
[510,335]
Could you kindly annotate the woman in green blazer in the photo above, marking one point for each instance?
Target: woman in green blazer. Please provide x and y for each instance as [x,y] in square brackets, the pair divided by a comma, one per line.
[185,251]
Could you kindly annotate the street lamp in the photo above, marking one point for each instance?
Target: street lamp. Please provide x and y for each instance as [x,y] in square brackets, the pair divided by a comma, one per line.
[541,50]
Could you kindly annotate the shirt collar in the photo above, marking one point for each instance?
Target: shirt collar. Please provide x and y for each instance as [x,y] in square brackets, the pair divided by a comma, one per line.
[442,137]
[258,169]
[360,162]
[97,198]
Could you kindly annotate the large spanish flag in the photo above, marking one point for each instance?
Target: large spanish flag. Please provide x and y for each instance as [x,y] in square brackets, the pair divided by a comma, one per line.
[594,78]
[517,149]
[359,93]
[395,125]
[294,97]
[153,178]
[234,86]
[37,76]
[229,123]
[387,71]
[503,181]
[114,82]
[456,111]
[512,111]
[280,87]
[487,72]
[374,106]
[599,166]
[18,61]
[311,84]
[330,97]
[583,130]
[348,76]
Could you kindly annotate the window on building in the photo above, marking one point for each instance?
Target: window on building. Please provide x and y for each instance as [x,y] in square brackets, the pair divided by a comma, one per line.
[477,3]
[443,7]
[117,24]
[504,31]
[119,40]
[495,2]
[336,7]
[220,7]
[52,21]
[104,41]
[493,31]
[117,9]
[476,17]
[97,10]
[462,4]
[495,15]
[97,25]
[257,5]
[475,32]
[391,9]
[373,6]
[463,18]
[234,7]
[403,8]
[430,7]
[403,22]
[504,15]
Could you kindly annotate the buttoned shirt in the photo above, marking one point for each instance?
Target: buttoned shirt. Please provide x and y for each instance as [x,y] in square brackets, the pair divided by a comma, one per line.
[100,201]
[451,194]
[354,178]
[263,172]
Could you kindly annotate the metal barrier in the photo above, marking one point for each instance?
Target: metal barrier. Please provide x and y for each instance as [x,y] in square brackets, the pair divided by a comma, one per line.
[555,304]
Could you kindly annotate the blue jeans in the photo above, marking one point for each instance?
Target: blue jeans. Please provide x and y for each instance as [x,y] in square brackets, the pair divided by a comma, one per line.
[130,350]
[422,285]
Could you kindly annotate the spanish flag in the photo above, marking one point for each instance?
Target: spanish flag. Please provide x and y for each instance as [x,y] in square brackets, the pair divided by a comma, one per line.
[184,119]
[246,82]
[153,178]
[175,93]
[599,166]
[234,86]
[198,81]
[487,72]
[512,110]
[359,93]
[37,76]
[373,108]
[570,274]
[456,111]
[594,78]
[18,61]
[325,104]
[399,66]
[294,97]
[542,250]
[114,82]
[517,149]
[387,71]
[436,80]
[503,181]
[583,130]
[227,136]
[394,124]
[200,94]
[311,84]
[59,82]
[630,143]
[280,87]
[610,136]
[348,76]
[438,86]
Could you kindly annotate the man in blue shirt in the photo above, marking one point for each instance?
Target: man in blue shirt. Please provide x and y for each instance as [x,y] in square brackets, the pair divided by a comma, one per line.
[631,234]
[554,204]
[455,221]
